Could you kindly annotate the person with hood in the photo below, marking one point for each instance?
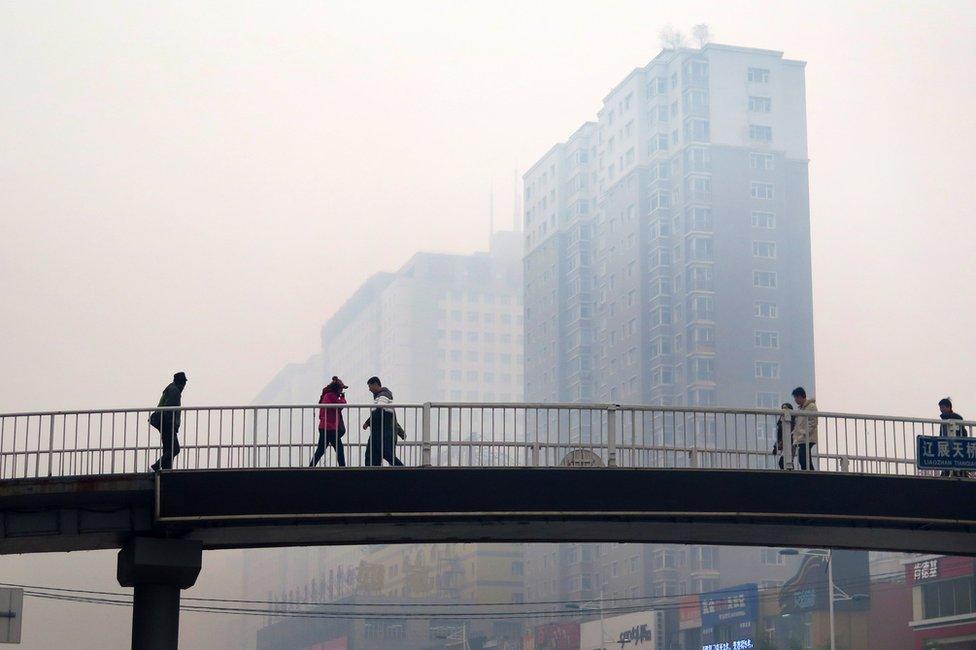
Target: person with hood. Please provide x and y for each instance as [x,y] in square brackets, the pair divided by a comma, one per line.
[382,426]
[168,422]
[331,425]
[949,430]
[805,429]
[784,431]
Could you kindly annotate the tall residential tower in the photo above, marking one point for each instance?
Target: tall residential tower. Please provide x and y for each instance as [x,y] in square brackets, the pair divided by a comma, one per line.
[667,245]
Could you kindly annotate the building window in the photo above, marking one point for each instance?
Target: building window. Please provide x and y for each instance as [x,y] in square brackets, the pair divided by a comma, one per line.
[948,597]
[701,397]
[767,370]
[698,219]
[763,220]
[758,75]
[760,133]
[658,143]
[760,104]
[764,279]
[700,249]
[699,188]
[761,191]
[704,558]
[771,557]
[695,101]
[702,369]
[768,340]
[659,199]
[767,400]
[696,130]
[761,161]
[764,249]
[762,309]
[697,159]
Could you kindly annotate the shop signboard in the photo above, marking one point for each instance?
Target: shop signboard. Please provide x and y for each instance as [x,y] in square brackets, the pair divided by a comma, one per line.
[637,630]
[730,614]
[557,636]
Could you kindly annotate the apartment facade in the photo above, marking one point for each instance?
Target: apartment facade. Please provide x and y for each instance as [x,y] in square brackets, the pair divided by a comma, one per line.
[694,285]
[444,327]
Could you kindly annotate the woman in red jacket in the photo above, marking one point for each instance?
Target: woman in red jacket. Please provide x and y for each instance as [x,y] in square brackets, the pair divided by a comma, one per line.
[331,426]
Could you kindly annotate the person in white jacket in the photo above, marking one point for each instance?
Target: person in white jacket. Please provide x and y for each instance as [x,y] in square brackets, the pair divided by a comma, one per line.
[805,429]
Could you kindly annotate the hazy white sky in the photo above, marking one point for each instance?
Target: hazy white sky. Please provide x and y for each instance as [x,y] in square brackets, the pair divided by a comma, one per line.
[199,187]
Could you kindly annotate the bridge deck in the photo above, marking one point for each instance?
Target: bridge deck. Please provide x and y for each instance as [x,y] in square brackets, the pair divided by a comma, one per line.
[268,507]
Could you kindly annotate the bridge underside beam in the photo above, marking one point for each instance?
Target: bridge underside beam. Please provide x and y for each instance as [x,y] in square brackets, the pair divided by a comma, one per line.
[235,508]
[744,532]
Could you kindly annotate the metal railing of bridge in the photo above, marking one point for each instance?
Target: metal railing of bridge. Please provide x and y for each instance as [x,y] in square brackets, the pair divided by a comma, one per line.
[118,441]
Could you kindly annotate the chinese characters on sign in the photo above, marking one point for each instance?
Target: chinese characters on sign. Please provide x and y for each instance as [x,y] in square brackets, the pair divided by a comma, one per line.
[937,452]
[730,614]
[926,570]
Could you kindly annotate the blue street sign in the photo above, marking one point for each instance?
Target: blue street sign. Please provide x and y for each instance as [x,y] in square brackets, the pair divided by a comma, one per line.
[945,452]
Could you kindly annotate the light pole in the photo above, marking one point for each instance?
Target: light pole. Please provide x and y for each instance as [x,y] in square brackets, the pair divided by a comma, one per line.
[590,605]
[833,593]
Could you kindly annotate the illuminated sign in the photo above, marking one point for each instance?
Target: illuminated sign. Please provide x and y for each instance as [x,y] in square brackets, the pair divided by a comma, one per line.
[741,644]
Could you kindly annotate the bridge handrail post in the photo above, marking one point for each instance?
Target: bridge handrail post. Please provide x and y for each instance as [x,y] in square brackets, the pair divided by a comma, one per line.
[425,436]
[612,435]
[787,444]
[50,447]
[254,437]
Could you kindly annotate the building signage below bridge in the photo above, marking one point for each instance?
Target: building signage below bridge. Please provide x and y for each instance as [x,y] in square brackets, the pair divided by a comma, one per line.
[731,613]
[946,452]
[636,631]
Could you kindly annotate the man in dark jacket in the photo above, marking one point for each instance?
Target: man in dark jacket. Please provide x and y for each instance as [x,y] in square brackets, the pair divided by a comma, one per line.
[382,426]
[949,430]
[168,422]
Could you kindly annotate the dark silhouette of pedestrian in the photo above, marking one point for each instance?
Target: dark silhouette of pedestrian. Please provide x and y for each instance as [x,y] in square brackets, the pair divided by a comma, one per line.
[784,432]
[950,430]
[332,427]
[168,422]
[804,429]
[382,426]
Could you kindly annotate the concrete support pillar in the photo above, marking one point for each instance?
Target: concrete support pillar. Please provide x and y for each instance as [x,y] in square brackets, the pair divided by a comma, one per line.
[157,569]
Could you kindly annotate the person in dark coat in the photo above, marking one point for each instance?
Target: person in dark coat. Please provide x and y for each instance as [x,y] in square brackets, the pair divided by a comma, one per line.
[949,430]
[382,426]
[784,431]
[168,422]
[331,425]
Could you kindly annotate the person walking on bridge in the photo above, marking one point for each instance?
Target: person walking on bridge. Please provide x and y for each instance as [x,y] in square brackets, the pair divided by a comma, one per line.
[168,422]
[950,430]
[331,425]
[784,432]
[805,428]
[382,426]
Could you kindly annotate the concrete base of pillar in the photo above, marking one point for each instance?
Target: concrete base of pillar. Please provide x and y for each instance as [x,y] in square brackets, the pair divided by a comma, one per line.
[158,569]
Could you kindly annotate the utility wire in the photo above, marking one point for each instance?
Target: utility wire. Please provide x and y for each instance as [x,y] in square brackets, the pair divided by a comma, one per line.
[516,611]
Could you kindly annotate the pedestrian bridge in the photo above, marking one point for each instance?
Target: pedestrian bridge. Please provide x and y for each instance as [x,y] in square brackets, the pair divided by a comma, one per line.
[476,472]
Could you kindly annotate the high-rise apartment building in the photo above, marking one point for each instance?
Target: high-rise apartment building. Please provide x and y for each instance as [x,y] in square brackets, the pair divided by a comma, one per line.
[444,327]
[667,245]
